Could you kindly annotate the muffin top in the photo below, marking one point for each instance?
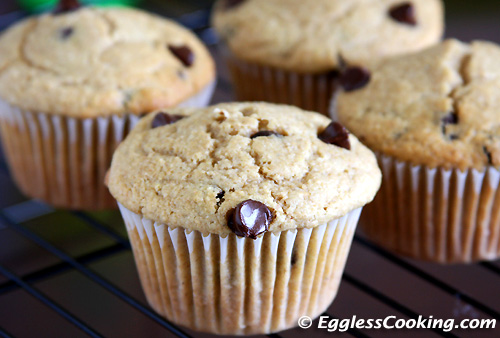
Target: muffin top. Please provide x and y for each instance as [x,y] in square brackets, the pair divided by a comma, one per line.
[92,62]
[293,168]
[439,107]
[322,35]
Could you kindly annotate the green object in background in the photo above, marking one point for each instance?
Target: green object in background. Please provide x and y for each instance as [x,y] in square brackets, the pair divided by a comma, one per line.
[43,5]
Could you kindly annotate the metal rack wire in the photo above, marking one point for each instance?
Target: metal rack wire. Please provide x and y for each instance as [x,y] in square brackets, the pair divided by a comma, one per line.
[81,263]
[363,290]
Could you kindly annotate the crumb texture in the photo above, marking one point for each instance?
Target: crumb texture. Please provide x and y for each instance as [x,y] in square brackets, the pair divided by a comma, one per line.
[191,173]
[317,36]
[99,61]
[439,107]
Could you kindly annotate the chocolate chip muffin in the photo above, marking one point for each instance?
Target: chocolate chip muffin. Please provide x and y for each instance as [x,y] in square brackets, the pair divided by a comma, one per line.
[74,81]
[433,119]
[241,215]
[293,51]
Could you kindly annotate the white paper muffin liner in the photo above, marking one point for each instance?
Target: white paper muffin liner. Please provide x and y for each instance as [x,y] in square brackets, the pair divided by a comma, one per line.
[253,82]
[239,286]
[446,216]
[63,160]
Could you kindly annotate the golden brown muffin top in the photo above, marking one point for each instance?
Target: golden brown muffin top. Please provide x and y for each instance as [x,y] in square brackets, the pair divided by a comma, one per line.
[101,61]
[439,107]
[317,36]
[192,172]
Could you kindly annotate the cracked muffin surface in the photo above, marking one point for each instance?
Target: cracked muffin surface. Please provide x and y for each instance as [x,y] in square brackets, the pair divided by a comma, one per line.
[192,172]
[101,61]
[439,107]
[320,35]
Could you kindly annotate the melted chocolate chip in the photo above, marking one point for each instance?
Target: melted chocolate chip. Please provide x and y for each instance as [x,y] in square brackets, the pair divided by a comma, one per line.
[66,32]
[183,53]
[488,155]
[404,13]
[229,4]
[162,119]
[66,6]
[336,134]
[249,219]
[354,78]
[451,118]
[265,133]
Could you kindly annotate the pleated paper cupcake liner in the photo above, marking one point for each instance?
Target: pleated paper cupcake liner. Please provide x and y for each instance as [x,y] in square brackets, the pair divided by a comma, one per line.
[238,286]
[446,216]
[253,82]
[63,160]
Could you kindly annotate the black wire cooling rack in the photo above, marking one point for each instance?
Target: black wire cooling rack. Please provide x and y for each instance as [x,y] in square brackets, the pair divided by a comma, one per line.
[71,274]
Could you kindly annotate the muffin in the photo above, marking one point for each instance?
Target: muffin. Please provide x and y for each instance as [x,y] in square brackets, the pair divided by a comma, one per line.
[241,215]
[299,52]
[72,84]
[433,119]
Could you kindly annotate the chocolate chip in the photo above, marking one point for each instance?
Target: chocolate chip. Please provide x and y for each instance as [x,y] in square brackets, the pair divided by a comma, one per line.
[162,119]
[404,13]
[66,6]
[488,155]
[66,32]
[265,133]
[183,53]
[450,118]
[354,78]
[249,219]
[220,198]
[229,4]
[336,134]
